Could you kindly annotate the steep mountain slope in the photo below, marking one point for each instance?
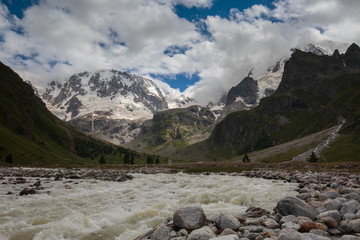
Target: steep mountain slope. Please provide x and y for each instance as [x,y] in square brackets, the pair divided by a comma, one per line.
[35,137]
[174,128]
[315,93]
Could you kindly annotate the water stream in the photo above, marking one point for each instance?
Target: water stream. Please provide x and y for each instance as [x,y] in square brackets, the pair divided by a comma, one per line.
[89,209]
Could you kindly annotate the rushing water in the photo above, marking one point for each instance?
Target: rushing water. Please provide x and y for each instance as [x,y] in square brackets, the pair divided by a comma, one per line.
[88,209]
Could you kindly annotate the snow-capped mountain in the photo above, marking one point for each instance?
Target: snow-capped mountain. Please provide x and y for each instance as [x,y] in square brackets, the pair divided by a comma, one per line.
[119,94]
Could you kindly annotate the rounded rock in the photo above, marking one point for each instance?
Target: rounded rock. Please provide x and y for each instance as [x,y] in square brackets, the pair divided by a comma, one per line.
[189,218]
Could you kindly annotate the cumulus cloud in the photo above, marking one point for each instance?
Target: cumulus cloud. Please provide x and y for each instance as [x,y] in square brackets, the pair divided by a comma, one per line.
[55,38]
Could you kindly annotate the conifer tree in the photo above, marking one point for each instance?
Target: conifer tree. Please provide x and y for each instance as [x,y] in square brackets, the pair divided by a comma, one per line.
[9,158]
[246,158]
[313,157]
[126,159]
[132,161]
[102,159]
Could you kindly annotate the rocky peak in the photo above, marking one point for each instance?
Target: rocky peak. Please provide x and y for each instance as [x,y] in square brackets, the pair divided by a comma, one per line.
[352,56]
[247,89]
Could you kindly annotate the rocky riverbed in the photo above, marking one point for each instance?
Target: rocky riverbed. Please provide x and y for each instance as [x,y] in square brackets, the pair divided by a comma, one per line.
[327,207]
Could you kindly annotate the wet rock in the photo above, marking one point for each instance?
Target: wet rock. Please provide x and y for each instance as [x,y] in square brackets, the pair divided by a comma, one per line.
[27,191]
[227,221]
[271,223]
[335,214]
[161,233]
[204,233]
[256,212]
[228,237]
[296,207]
[189,218]
[355,225]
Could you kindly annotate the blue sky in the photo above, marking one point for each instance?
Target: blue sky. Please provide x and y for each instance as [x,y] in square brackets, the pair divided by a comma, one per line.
[200,48]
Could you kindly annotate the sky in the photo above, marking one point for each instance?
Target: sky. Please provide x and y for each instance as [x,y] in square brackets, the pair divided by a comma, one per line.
[200,48]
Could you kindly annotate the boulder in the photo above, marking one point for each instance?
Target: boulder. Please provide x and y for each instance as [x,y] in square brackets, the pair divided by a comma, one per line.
[290,225]
[189,218]
[227,221]
[319,232]
[335,214]
[161,233]
[349,207]
[256,212]
[204,233]
[27,191]
[355,225]
[349,237]
[296,207]
[330,222]
[333,204]
[271,223]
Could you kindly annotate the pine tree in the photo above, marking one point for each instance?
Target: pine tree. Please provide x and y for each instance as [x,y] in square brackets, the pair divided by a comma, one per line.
[132,161]
[246,159]
[126,159]
[149,160]
[313,157]
[157,161]
[9,158]
[102,159]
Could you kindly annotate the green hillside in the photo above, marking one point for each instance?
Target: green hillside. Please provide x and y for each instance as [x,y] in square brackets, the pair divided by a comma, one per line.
[32,136]
[316,93]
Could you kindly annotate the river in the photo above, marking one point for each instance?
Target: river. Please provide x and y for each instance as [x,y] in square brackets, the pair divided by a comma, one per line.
[90,209]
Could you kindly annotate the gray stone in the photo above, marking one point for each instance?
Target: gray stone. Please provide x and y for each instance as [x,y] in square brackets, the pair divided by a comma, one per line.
[345,228]
[354,196]
[288,218]
[227,231]
[227,237]
[349,207]
[345,190]
[161,233]
[189,218]
[333,204]
[349,216]
[289,234]
[204,233]
[334,231]
[290,225]
[319,232]
[271,223]
[315,204]
[349,237]
[227,221]
[183,232]
[173,234]
[310,236]
[335,214]
[257,229]
[296,207]
[304,196]
[355,225]
[253,236]
[179,238]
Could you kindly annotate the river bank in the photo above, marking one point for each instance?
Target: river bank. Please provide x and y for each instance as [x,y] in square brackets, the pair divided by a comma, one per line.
[327,207]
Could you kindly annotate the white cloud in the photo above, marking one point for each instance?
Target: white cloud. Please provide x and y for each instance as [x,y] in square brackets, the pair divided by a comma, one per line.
[133,35]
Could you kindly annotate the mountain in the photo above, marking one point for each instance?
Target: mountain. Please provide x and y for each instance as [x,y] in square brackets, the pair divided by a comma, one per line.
[118,94]
[174,128]
[33,136]
[316,92]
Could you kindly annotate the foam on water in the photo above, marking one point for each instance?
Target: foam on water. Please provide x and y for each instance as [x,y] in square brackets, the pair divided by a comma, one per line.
[91,209]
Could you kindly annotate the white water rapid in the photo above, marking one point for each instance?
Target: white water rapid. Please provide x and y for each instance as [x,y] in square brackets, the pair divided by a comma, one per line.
[89,209]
